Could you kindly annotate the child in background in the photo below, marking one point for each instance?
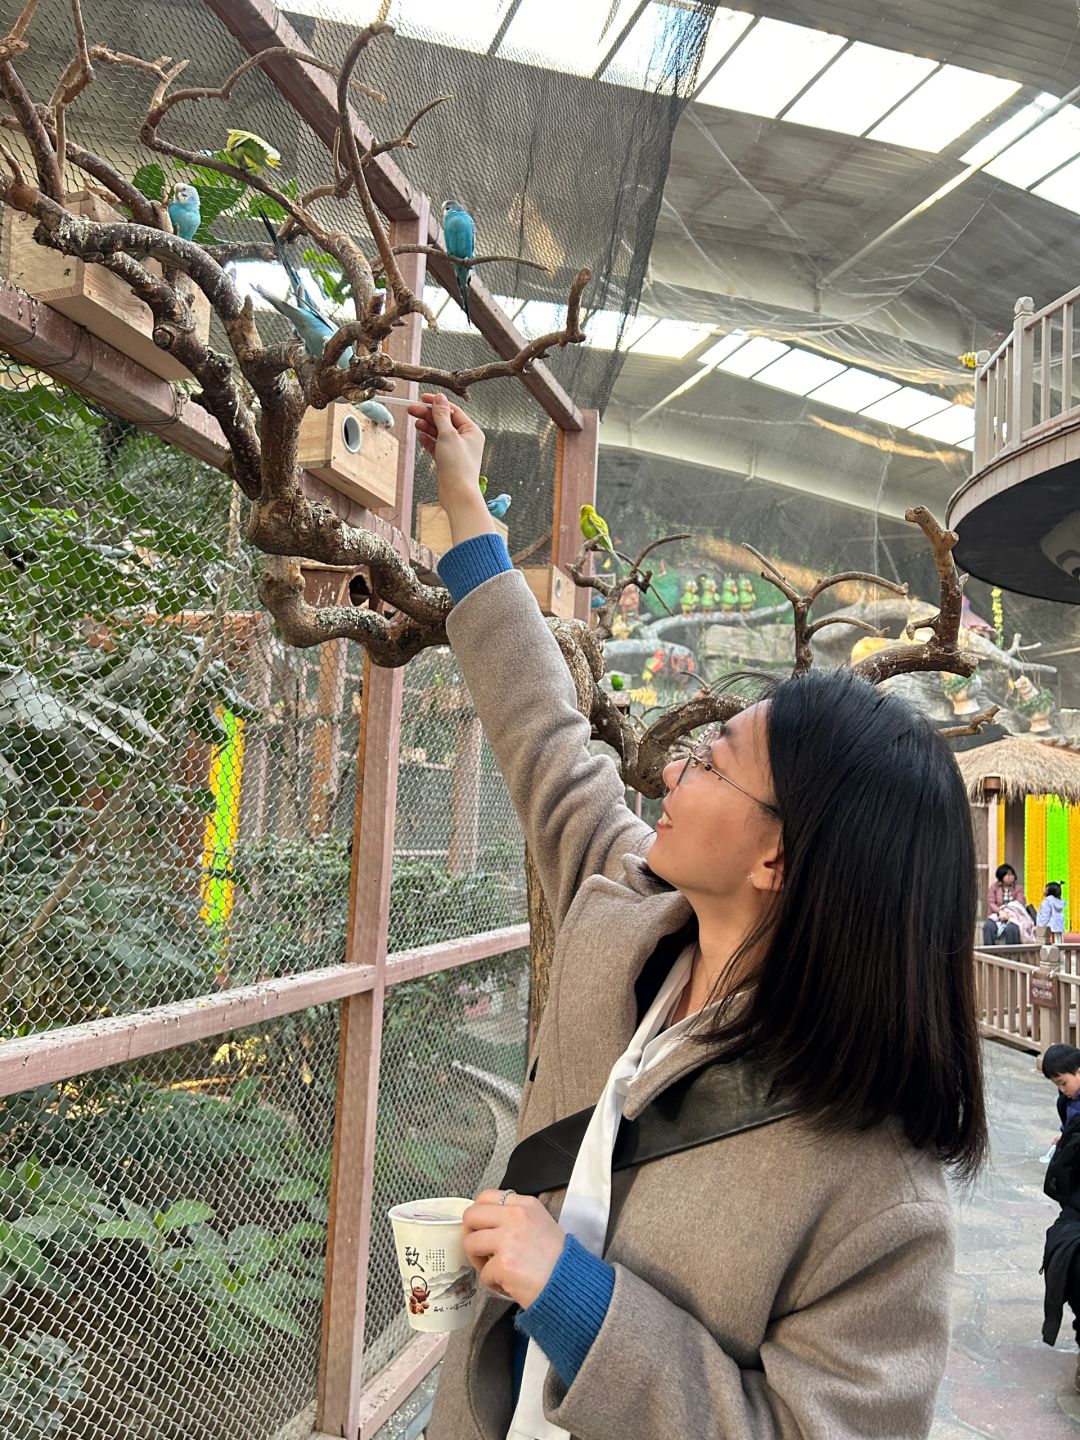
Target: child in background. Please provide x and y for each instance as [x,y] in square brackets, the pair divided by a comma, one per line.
[1061,1256]
[1052,913]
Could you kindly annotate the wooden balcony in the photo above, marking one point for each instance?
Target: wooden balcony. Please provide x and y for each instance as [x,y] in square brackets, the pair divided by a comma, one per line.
[1012,515]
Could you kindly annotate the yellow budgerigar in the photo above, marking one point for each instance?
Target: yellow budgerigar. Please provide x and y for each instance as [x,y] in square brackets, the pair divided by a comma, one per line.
[594,527]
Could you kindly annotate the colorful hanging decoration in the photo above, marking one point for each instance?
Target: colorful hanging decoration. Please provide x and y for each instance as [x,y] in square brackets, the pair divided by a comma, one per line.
[222,824]
[1034,847]
[1057,844]
[999,616]
[1071,893]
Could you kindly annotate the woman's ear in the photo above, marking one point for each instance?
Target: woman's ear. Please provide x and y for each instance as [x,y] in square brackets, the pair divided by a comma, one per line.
[768,873]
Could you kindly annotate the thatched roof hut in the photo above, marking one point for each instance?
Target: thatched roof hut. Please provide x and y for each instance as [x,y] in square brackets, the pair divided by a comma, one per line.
[1023,766]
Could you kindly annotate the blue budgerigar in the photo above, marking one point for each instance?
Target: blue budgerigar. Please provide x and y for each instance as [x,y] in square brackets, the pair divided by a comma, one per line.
[459,234]
[306,312]
[185,211]
[377,413]
[499,506]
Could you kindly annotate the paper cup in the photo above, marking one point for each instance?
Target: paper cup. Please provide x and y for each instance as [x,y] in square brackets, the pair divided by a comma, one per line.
[437,1276]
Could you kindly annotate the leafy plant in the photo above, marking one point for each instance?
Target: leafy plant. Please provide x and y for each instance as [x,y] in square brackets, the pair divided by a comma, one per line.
[39,1375]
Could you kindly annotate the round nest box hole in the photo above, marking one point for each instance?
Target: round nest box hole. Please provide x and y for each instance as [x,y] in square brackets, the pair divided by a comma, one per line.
[352,433]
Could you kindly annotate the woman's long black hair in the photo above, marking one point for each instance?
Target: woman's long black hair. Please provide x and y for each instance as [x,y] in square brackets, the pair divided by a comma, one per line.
[865,1001]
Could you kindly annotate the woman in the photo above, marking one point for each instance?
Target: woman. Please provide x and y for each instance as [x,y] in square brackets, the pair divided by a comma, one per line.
[789,1276]
[1004,889]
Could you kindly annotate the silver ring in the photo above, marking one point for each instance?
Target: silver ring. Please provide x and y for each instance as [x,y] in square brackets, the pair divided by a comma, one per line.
[506,1195]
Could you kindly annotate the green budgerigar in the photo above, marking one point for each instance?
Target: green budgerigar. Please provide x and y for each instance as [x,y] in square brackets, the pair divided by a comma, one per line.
[251,152]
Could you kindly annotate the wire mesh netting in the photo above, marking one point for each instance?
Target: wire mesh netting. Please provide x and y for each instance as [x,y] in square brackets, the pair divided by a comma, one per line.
[163,1236]
[452,1068]
[177,784]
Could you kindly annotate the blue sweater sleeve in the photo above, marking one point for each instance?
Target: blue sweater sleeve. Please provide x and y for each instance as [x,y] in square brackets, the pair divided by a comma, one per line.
[469,564]
[565,1318]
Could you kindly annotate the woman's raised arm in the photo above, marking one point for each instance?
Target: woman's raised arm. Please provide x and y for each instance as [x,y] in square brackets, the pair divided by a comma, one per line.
[571,804]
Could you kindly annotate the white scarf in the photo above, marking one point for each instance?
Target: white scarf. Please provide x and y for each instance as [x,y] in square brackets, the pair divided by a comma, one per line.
[587,1204]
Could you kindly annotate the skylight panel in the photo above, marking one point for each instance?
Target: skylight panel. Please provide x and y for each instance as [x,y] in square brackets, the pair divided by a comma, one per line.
[1052,144]
[858,87]
[1000,137]
[947,105]
[727,26]
[465,27]
[649,57]
[905,407]
[602,329]
[568,35]
[753,356]
[452,319]
[799,371]
[722,348]
[952,426]
[671,339]
[435,297]
[770,65]
[1063,187]
[854,390]
[540,317]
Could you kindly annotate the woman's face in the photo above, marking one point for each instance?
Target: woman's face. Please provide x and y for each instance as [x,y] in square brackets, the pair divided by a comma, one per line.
[712,835]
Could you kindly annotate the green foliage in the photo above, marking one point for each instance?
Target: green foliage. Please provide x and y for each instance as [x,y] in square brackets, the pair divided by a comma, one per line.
[220,196]
[39,1375]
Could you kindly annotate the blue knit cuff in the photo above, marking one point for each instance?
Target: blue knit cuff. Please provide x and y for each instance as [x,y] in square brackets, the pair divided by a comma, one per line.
[469,564]
[565,1318]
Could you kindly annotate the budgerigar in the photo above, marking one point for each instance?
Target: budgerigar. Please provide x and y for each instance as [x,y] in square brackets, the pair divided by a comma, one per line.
[483,484]
[251,152]
[185,211]
[305,313]
[376,413]
[499,506]
[459,233]
[594,527]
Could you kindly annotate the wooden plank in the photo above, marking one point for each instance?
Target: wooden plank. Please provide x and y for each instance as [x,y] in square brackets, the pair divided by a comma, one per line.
[353,1168]
[54,1055]
[392,1386]
[1046,339]
[260,25]
[575,485]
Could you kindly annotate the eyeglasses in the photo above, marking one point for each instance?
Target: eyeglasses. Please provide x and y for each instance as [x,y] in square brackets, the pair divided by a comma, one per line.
[701,756]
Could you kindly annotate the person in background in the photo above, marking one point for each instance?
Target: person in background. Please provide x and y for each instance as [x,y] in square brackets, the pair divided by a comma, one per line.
[1001,929]
[1051,914]
[1061,1256]
[1004,889]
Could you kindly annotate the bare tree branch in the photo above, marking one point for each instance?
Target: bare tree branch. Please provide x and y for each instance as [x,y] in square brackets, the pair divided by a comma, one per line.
[973,726]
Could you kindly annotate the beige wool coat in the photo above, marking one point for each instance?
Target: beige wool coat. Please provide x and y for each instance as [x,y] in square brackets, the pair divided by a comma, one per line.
[769,1285]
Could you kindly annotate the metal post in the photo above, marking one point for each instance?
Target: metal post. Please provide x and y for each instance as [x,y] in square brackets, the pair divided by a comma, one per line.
[352,1176]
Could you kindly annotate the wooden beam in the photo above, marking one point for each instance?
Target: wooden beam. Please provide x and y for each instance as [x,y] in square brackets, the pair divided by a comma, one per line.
[39,337]
[352,1180]
[392,1386]
[575,485]
[54,1055]
[260,25]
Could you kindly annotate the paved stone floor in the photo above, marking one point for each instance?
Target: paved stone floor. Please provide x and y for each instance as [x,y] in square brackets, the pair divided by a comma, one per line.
[1002,1381]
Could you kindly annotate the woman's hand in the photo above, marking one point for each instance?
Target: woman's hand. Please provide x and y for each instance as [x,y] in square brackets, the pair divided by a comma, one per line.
[515,1246]
[457,445]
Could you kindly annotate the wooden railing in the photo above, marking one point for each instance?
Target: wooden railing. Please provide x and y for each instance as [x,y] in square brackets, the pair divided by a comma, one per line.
[1004,1002]
[1025,390]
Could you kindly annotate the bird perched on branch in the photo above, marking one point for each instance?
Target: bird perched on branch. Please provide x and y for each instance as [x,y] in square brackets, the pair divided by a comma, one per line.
[377,413]
[459,233]
[595,527]
[305,312]
[969,360]
[251,152]
[499,506]
[185,211]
